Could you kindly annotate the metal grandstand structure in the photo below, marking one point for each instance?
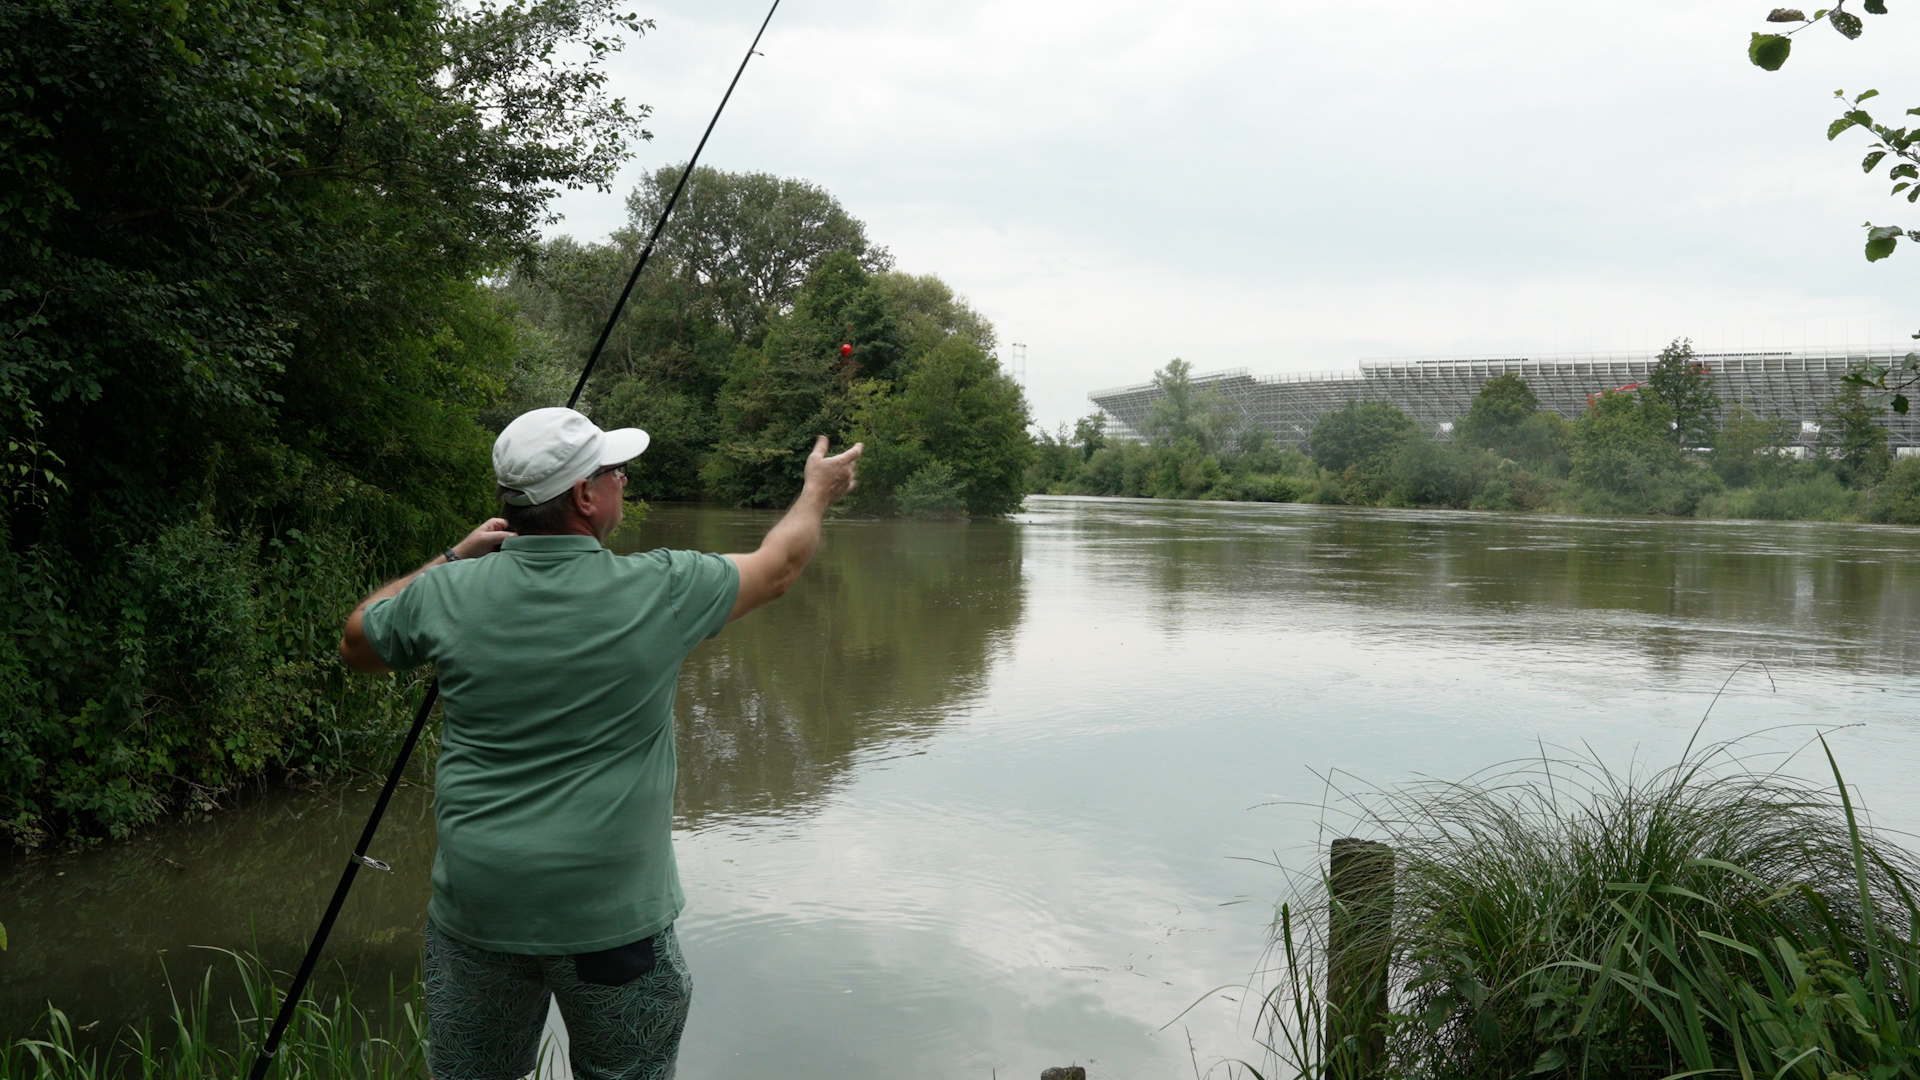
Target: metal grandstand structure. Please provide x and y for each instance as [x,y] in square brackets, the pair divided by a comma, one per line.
[1436,392]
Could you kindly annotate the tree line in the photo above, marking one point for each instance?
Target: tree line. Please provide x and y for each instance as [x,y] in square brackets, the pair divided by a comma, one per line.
[271,278]
[1659,448]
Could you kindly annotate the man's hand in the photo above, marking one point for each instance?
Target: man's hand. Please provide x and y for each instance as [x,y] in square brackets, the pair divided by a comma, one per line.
[484,540]
[830,478]
[766,574]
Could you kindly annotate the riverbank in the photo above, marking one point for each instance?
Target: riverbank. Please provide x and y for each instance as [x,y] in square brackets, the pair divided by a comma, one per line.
[1667,447]
[1437,477]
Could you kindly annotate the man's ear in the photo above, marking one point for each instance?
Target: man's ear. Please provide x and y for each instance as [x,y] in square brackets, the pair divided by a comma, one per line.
[582,495]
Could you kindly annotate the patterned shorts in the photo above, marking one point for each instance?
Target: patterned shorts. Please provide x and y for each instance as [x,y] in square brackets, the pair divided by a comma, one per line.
[488,1009]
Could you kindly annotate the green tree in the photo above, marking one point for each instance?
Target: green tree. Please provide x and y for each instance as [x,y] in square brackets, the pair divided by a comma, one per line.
[1749,451]
[1090,434]
[1360,434]
[1625,456]
[797,384]
[1851,442]
[1183,411]
[749,240]
[1503,405]
[1685,385]
[956,423]
[1506,418]
[244,354]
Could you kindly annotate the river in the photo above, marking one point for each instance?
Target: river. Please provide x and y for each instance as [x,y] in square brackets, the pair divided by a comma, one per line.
[979,798]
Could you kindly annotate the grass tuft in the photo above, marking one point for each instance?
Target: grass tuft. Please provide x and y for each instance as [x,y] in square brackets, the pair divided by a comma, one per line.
[331,1036]
[1560,919]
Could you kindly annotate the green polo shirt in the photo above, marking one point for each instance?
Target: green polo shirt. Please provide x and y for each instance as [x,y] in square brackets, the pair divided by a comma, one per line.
[553,795]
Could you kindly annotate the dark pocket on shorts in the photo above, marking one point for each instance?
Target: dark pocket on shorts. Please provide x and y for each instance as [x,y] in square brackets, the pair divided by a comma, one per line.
[617,966]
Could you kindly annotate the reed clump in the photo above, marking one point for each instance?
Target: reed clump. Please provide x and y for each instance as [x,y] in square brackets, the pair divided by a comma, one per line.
[1559,919]
[331,1036]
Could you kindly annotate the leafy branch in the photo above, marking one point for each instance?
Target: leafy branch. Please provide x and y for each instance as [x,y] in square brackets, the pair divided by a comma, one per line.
[1770,51]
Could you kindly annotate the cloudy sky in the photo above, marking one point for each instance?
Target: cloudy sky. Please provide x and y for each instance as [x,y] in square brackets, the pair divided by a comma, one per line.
[1286,186]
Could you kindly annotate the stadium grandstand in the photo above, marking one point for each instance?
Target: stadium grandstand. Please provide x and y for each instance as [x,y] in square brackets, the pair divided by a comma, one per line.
[1796,386]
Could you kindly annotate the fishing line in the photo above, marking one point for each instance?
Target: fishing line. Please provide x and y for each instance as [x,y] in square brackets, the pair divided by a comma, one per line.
[360,857]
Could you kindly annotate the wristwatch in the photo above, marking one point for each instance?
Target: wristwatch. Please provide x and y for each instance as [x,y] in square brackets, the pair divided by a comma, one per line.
[451,555]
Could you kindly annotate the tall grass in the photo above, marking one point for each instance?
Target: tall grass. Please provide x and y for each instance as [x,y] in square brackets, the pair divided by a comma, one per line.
[330,1036]
[1560,919]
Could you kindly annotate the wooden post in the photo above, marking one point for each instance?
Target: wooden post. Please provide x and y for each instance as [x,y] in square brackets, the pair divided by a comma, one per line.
[1359,945]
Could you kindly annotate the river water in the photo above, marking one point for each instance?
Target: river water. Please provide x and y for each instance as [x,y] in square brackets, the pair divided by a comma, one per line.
[979,798]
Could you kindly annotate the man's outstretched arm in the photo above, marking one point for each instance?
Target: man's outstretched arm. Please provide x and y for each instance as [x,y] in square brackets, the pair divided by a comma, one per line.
[767,574]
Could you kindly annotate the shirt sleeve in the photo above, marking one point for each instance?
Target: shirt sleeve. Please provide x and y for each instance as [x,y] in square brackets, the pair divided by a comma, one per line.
[392,626]
[704,590]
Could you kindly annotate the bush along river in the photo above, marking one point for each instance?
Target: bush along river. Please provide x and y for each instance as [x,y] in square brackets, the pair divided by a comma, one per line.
[986,797]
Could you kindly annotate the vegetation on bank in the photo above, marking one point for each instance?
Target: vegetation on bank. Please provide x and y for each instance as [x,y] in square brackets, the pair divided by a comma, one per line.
[331,1037]
[1564,920]
[270,280]
[1655,449]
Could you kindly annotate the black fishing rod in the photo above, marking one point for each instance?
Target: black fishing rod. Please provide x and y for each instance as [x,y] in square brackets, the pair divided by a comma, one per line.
[360,857]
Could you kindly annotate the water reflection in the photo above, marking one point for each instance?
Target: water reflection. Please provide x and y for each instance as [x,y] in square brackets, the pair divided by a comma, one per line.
[889,633]
[98,932]
[1671,592]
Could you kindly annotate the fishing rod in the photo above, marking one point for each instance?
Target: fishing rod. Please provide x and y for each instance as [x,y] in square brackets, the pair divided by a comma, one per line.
[360,857]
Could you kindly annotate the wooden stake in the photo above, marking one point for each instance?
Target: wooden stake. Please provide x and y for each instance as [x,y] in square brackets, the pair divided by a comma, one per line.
[1359,945]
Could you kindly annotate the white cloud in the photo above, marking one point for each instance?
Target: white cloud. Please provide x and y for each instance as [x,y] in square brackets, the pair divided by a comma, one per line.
[1292,186]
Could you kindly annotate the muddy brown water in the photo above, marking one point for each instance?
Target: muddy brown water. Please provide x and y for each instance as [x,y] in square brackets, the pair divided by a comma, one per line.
[996,796]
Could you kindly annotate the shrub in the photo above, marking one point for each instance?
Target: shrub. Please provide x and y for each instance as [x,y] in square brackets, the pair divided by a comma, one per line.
[213,662]
[1564,920]
[1362,434]
[933,492]
[1747,450]
[1810,496]
[1897,500]
[1426,473]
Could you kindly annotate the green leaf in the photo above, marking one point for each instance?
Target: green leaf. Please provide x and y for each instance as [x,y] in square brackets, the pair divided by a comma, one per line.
[1786,14]
[1872,160]
[1769,51]
[1550,1060]
[1899,404]
[1834,129]
[1876,7]
[1846,22]
[1881,242]
[1901,186]
[1906,169]
[1866,95]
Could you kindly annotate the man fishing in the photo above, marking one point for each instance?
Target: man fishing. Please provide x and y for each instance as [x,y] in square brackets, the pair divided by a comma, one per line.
[553,795]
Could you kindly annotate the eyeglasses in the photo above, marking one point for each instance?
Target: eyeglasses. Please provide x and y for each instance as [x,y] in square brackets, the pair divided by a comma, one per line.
[619,470]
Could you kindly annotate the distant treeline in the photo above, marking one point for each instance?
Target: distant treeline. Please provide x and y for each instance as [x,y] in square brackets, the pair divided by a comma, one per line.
[1658,449]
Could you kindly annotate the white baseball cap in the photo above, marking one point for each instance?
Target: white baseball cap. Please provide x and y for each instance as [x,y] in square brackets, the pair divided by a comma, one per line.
[544,452]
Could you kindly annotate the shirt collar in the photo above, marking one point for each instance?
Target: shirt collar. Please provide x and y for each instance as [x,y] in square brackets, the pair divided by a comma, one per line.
[570,542]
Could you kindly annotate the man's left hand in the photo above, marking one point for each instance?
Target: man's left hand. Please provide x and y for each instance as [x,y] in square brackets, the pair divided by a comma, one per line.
[484,540]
